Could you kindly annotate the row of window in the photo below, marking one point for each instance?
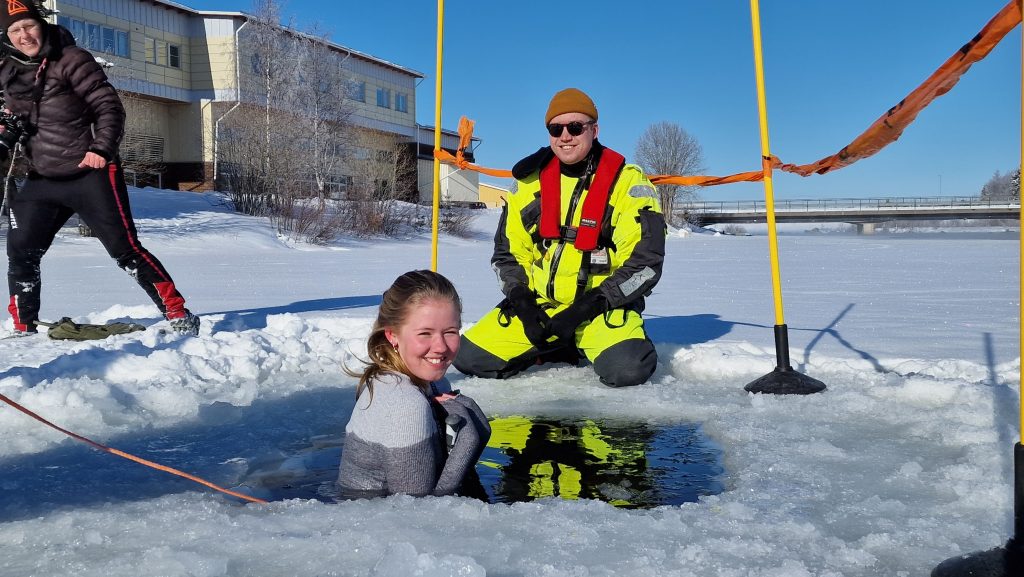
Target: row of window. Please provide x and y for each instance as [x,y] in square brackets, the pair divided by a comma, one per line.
[162,53]
[357,92]
[384,100]
[97,37]
[103,38]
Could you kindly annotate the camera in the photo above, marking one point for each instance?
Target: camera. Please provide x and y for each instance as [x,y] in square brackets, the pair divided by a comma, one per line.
[12,130]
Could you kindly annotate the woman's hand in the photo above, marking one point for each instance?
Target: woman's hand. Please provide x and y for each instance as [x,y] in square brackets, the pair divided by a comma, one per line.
[92,160]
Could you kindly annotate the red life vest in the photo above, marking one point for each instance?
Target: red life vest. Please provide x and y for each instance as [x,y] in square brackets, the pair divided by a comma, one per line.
[593,206]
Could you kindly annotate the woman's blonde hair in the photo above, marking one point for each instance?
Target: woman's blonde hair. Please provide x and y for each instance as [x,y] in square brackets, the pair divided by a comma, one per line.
[408,291]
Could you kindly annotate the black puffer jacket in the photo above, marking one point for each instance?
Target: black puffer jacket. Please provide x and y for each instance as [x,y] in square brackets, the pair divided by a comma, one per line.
[75,110]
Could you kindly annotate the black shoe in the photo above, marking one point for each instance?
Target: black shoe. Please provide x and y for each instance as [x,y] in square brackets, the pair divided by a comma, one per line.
[188,324]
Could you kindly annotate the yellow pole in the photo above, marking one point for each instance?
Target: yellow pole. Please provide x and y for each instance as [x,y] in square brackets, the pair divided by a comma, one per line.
[766,166]
[1020,251]
[437,138]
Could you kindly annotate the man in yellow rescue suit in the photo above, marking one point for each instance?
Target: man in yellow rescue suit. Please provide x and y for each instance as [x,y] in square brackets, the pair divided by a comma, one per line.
[579,245]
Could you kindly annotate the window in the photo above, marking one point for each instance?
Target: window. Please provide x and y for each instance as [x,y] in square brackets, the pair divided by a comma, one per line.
[357,91]
[161,52]
[98,38]
[92,36]
[164,54]
[78,31]
[383,98]
[339,186]
[108,40]
[142,148]
[401,102]
[122,47]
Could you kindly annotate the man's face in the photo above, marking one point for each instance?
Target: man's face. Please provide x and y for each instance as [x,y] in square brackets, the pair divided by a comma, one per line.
[26,36]
[568,148]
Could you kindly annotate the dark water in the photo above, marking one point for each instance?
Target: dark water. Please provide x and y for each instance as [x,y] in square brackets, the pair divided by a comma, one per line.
[628,464]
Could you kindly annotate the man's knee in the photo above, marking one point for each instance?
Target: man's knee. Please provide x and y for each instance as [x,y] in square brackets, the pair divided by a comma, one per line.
[128,260]
[627,363]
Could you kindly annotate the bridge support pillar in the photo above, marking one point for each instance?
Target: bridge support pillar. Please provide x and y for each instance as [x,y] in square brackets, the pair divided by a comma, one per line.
[865,228]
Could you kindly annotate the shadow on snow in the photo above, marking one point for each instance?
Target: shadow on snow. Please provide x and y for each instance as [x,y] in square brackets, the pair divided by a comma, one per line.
[248,319]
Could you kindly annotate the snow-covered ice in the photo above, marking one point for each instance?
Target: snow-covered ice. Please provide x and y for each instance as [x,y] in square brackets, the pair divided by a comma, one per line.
[904,462]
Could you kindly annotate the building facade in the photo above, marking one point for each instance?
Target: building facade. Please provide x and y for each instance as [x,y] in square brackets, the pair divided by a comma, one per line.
[182,75]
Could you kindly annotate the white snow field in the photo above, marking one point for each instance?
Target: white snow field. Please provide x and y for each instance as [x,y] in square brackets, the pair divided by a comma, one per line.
[905,461]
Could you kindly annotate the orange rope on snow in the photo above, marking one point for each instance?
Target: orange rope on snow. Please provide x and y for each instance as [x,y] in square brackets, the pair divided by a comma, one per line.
[880,134]
[128,456]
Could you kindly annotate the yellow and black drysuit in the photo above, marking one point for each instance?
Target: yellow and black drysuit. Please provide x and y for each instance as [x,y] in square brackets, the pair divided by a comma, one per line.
[574,272]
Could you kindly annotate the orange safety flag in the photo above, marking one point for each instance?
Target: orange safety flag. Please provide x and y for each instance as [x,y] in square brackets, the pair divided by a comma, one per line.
[883,132]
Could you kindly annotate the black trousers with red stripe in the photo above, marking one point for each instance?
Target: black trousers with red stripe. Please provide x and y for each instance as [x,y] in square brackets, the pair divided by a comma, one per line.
[100,198]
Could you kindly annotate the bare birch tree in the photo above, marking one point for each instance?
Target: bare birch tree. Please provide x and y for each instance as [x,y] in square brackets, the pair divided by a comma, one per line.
[290,138]
[384,170]
[665,148]
[324,113]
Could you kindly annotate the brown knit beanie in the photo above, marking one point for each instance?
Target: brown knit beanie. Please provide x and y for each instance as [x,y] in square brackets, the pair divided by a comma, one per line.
[14,10]
[570,100]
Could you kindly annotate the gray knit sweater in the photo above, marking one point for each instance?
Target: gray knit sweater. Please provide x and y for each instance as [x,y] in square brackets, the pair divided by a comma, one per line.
[393,445]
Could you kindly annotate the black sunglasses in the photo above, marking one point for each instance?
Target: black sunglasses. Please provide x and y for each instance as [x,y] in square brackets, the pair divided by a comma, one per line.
[575,128]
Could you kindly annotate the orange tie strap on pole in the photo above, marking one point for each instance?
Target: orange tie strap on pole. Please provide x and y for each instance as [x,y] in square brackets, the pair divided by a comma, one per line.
[436,206]
[783,380]
[459,160]
[890,126]
[129,456]
[463,164]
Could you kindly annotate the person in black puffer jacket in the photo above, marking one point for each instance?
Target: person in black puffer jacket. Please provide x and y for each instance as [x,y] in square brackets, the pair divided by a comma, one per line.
[73,121]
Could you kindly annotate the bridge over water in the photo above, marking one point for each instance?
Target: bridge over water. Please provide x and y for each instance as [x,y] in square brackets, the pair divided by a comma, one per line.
[862,212]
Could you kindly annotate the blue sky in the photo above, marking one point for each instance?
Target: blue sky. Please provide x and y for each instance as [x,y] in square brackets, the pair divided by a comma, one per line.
[831,69]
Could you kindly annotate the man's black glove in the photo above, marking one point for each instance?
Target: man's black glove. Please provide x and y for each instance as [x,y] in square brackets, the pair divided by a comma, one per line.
[534,319]
[563,325]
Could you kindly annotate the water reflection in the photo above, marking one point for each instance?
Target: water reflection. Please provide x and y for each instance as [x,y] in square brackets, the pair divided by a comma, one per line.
[628,464]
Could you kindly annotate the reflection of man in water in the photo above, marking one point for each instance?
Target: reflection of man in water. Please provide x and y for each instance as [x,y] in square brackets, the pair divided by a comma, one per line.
[573,460]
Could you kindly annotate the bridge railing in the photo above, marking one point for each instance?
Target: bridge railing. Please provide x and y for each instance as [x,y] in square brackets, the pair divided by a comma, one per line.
[838,204]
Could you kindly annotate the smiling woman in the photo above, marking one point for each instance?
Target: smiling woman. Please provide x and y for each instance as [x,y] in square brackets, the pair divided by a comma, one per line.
[393,442]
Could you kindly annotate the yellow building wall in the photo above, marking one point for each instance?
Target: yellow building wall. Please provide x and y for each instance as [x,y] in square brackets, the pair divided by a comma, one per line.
[492,196]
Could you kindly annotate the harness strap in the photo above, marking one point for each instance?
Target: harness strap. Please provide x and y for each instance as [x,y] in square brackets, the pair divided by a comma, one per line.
[586,235]
[597,199]
[551,199]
